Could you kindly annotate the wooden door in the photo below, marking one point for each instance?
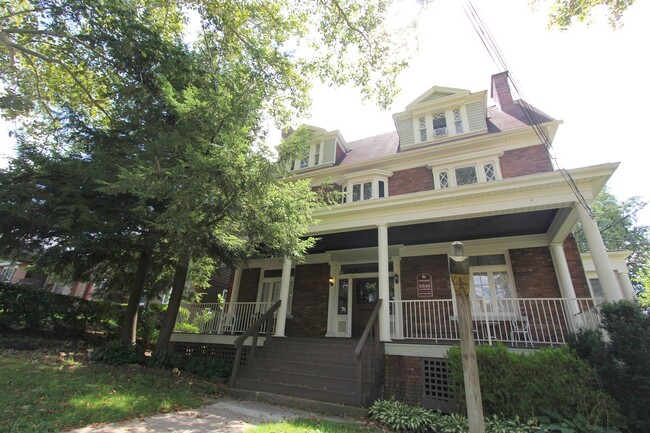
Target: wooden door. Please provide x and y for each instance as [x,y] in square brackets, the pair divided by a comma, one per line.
[365,292]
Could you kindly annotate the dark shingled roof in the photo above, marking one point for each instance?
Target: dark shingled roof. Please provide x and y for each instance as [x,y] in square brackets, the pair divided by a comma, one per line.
[505,119]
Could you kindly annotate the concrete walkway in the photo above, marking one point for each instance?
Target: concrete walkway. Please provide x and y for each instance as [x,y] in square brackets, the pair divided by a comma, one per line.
[226,416]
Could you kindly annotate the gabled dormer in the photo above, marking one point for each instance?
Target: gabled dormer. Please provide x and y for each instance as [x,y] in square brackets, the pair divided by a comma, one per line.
[325,149]
[441,114]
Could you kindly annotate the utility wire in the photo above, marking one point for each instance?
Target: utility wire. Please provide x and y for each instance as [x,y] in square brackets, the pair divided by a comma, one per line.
[531,114]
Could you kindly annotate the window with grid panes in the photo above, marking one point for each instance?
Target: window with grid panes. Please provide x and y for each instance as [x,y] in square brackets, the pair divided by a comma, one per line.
[423,129]
[439,124]
[458,121]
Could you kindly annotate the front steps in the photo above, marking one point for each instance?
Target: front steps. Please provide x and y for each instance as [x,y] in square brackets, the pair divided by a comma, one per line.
[322,369]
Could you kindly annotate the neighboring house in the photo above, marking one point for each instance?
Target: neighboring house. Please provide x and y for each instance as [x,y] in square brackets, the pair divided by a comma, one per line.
[454,169]
[12,272]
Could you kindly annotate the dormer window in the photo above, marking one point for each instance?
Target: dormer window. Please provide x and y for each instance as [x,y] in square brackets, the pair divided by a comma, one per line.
[423,128]
[439,124]
[458,121]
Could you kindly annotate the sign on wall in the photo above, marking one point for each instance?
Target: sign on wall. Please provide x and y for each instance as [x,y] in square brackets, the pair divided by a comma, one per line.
[425,286]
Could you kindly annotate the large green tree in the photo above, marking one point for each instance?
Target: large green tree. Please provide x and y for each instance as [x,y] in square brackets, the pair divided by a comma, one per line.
[618,225]
[564,13]
[168,133]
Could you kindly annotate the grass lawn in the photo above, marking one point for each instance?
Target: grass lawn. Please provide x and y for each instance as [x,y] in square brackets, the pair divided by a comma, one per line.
[47,391]
[314,426]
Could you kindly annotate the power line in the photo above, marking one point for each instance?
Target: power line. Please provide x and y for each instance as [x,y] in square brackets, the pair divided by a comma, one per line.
[531,115]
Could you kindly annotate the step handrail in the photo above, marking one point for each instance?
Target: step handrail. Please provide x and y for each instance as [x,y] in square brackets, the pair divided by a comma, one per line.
[372,325]
[254,331]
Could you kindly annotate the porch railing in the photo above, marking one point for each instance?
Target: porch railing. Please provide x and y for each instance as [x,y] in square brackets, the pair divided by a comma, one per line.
[516,321]
[216,318]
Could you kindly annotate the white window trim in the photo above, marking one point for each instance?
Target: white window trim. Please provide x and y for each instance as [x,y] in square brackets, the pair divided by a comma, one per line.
[311,157]
[450,165]
[449,120]
[374,176]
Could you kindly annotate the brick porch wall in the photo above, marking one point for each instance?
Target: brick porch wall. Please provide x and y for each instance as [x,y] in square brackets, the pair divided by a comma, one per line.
[250,280]
[576,268]
[527,160]
[534,273]
[436,266]
[410,180]
[402,378]
[310,299]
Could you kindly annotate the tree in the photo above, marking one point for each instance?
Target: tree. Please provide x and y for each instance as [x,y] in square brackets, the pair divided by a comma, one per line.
[170,134]
[563,13]
[620,231]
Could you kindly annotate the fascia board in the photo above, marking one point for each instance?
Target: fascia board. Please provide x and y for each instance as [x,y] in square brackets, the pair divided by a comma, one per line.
[366,174]
[453,93]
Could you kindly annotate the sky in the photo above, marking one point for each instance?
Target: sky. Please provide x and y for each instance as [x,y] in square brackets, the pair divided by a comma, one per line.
[593,78]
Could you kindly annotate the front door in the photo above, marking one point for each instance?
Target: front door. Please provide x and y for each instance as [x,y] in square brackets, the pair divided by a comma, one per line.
[365,292]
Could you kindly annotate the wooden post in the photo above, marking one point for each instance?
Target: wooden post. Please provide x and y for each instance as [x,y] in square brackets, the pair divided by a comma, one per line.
[459,272]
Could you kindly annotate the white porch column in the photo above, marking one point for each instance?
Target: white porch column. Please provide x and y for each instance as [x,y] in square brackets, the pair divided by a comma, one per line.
[564,276]
[384,293]
[624,282]
[281,319]
[599,255]
[235,286]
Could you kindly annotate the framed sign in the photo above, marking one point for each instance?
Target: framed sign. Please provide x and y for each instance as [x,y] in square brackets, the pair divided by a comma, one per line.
[425,286]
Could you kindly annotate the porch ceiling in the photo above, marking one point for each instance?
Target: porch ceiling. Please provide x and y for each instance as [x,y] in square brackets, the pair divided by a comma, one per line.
[518,224]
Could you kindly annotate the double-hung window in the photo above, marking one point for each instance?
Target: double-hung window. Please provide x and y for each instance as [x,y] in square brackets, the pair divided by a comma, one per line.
[369,185]
[466,173]
[439,124]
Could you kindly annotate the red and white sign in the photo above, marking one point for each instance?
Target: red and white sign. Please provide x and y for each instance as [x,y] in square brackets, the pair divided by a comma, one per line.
[425,286]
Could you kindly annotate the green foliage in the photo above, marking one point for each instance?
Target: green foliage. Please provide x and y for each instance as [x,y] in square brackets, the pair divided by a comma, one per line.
[186,328]
[118,353]
[207,367]
[553,422]
[564,13]
[403,417]
[36,312]
[618,224]
[525,385]
[622,360]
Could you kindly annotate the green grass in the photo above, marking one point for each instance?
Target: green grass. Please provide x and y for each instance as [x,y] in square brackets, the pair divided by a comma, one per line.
[46,391]
[313,426]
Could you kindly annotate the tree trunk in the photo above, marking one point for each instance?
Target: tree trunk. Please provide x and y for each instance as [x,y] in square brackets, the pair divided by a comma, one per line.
[130,320]
[169,320]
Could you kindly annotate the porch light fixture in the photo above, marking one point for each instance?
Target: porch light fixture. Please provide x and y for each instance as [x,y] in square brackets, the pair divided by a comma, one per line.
[331,281]
[396,278]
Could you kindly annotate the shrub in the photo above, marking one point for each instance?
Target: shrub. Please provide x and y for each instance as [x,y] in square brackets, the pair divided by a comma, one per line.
[118,353]
[210,368]
[526,385]
[402,417]
[623,360]
[167,360]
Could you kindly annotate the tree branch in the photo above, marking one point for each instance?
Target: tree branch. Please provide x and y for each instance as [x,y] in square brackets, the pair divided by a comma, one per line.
[349,24]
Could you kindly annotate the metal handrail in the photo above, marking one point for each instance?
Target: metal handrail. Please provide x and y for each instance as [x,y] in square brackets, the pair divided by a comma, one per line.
[373,324]
[254,331]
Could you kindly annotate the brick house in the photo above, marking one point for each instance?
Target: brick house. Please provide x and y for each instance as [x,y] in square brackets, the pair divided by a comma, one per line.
[454,169]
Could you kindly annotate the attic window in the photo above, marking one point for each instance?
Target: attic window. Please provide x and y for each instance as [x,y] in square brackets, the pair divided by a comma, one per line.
[458,121]
[439,124]
[423,129]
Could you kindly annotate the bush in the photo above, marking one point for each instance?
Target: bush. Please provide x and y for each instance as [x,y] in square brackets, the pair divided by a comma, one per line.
[525,385]
[623,360]
[32,311]
[402,417]
[118,353]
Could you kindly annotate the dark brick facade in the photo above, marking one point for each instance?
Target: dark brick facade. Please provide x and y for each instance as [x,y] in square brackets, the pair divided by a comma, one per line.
[250,280]
[403,378]
[310,299]
[576,268]
[436,266]
[410,180]
[527,160]
[534,273]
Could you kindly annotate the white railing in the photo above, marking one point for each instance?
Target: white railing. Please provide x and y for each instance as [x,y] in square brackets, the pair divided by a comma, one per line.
[519,322]
[215,318]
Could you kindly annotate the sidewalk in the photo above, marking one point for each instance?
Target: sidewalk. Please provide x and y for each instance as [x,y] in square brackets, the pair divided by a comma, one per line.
[226,416]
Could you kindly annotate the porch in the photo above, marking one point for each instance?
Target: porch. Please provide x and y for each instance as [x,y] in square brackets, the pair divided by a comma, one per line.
[516,322]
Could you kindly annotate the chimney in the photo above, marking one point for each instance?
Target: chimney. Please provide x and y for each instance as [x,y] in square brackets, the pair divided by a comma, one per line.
[501,90]
[287,132]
